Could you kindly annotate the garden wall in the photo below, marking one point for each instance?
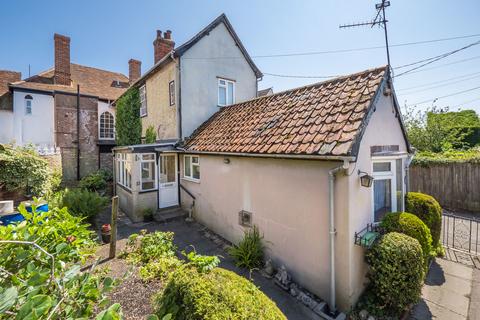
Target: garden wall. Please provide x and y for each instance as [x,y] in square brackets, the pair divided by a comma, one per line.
[456,185]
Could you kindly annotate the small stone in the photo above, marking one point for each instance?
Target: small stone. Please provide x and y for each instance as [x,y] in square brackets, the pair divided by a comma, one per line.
[363,314]
[371,317]
[293,289]
[268,268]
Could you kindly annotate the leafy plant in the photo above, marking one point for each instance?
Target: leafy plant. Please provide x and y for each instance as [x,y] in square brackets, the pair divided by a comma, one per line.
[249,252]
[428,210]
[148,247]
[150,135]
[160,269]
[412,226]
[218,294]
[22,169]
[201,262]
[95,181]
[128,124]
[80,202]
[396,275]
[114,312]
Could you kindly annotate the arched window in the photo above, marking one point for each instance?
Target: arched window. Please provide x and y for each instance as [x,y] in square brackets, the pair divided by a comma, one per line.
[28,104]
[107,126]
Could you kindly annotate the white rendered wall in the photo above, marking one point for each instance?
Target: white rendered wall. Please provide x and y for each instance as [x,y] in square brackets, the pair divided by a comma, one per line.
[6,126]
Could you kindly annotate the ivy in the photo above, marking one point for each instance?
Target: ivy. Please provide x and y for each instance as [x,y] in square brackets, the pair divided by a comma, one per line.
[150,135]
[128,123]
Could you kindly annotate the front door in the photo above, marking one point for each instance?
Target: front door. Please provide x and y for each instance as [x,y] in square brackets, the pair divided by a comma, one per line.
[167,181]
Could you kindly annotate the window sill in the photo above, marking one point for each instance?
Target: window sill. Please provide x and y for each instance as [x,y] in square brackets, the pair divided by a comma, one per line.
[191,179]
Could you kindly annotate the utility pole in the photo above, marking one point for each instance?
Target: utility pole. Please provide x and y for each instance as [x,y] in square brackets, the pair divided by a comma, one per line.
[380,20]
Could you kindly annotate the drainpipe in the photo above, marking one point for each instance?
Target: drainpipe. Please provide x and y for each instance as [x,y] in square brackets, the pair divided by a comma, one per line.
[331,193]
[78,132]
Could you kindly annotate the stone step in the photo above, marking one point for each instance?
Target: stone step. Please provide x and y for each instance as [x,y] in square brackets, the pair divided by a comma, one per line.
[170,214]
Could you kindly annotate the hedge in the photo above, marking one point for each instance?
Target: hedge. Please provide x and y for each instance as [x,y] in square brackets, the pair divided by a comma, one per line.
[396,275]
[412,226]
[428,210]
[218,294]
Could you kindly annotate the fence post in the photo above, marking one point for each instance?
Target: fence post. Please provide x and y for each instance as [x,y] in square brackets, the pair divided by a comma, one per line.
[113,237]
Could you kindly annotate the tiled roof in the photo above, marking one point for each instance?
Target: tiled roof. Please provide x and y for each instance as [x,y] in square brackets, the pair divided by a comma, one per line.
[93,81]
[320,119]
[265,92]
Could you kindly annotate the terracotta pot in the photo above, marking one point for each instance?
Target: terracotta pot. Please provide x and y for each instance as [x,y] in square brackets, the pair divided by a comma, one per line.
[106,237]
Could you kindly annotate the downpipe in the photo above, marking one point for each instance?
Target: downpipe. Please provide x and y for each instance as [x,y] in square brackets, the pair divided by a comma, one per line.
[331,194]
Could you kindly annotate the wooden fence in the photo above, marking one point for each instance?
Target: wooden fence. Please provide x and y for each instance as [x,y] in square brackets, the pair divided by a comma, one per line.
[455,185]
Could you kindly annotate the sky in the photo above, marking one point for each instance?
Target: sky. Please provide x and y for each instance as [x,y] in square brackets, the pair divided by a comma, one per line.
[107,33]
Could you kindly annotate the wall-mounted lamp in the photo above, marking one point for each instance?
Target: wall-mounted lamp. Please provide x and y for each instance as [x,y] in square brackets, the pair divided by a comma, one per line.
[226,160]
[365,179]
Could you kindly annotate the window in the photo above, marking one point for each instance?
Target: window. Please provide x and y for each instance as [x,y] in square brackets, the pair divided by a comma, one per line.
[191,167]
[143,101]
[107,126]
[388,187]
[148,174]
[28,104]
[171,92]
[124,170]
[226,92]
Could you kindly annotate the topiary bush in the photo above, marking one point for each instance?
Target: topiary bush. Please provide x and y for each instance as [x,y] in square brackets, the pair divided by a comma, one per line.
[396,275]
[428,210]
[218,294]
[412,226]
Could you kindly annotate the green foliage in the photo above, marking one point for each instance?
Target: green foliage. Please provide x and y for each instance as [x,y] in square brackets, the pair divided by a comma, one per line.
[30,290]
[149,247]
[412,226]
[80,202]
[160,268]
[218,294]
[201,262]
[428,210]
[426,159]
[95,181]
[396,275]
[114,312]
[150,135]
[22,169]
[249,252]
[128,124]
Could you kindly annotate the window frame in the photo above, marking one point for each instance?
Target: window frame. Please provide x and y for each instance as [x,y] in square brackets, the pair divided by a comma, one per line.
[171,92]
[124,176]
[219,85]
[100,126]
[155,173]
[28,98]
[143,100]
[190,177]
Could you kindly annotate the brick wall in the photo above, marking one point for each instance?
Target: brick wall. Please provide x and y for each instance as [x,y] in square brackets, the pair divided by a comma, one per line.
[62,60]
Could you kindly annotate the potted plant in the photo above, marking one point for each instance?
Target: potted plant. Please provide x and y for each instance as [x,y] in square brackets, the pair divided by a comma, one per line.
[148,215]
[106,232]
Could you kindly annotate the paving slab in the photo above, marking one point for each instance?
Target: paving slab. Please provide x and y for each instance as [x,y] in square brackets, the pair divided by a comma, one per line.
[474,310]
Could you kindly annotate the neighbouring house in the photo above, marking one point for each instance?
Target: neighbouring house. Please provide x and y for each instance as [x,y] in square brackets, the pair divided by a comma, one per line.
[66,110]
[312,167]
[186,85]
[265,92]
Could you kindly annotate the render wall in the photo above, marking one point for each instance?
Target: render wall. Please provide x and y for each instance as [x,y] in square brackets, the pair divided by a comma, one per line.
[6,126]
[289,203]
[200,69]
[160,114]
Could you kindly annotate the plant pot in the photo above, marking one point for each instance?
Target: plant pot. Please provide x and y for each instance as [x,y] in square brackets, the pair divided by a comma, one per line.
[148,218]
[106,237]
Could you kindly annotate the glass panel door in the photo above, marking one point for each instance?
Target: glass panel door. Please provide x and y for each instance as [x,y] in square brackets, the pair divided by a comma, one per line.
[167,178]
[382,198]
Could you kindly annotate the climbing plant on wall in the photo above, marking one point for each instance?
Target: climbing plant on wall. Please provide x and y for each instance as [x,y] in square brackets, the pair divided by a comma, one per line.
[128,124]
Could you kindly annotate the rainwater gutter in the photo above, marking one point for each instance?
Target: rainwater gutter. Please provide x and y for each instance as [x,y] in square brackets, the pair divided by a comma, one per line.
[331,200]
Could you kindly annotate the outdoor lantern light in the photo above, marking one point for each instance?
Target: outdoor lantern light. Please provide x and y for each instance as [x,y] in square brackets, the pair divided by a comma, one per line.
[365,179]
[226,160]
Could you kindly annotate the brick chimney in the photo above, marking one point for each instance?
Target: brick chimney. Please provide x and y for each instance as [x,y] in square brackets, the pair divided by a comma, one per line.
[162,45]
[62,60]
[134,70]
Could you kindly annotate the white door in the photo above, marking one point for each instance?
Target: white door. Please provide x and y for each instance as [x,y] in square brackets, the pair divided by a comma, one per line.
[167,178]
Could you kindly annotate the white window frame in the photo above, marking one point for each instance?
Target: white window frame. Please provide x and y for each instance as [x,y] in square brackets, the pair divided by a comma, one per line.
[155,174]
[100,126]
[124,177]
[28,109]
[143,100]
[392,175]
[220,85]
[191,178]
[171,92]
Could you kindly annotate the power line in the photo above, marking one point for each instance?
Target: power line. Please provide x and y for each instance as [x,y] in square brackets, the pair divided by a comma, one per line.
[445,96]
[434,59]
[300,77]
[438,86]
[435,82]
[444,65]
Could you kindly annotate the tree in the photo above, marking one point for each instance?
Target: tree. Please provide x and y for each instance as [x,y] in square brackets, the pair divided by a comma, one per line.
[128,124]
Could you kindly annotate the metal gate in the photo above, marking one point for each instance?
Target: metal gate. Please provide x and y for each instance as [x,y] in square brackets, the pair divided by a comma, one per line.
[461,233]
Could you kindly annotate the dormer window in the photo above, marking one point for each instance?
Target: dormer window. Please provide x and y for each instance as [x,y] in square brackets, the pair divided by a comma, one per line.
[28,104]
[226,92]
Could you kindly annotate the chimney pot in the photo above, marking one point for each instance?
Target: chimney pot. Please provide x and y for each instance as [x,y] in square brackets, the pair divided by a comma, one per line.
[134,70]
[162,46]
[62,73]
[159,34]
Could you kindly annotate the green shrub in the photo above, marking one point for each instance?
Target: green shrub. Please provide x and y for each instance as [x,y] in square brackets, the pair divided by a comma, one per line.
[145,248]
[94,182]
[201,262]
[22,169]
[428,210]
[128,125]
[412,226]
[218,294]
[249,252]
[160,268]
[150,135]
[80,202]
[396,275]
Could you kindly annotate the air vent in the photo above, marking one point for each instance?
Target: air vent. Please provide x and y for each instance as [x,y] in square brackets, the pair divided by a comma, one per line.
[245,218]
